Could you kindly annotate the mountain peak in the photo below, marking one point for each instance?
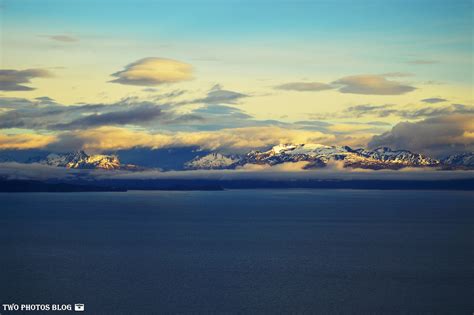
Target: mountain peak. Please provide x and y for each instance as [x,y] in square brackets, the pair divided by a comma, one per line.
[318,155]
[81,160]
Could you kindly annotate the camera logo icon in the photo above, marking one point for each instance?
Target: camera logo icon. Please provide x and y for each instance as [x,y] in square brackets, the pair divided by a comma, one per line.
[79,307]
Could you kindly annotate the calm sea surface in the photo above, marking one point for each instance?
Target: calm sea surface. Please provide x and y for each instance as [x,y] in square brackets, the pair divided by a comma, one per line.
[241,251]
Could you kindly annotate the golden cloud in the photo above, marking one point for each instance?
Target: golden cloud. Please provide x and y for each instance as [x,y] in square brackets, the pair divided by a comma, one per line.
[25,141]
[153,71]
[372,85]
[233,139]
[112,138]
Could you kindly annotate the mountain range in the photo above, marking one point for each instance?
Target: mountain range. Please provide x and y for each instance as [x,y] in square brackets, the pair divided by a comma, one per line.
[82,160]
[315,156]
[318,156]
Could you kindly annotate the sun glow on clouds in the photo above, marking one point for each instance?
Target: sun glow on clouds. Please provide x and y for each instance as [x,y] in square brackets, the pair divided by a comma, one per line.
[153,71]
[113,138]
[25,141]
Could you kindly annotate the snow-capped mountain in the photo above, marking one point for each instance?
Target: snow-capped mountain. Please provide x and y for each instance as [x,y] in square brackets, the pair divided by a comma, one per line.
[402,158]
[464,160]
[318,155]
[81,160]
[212,161]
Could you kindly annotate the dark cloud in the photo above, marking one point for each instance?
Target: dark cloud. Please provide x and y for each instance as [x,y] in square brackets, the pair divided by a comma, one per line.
[151,90]
[44,99]
[304,86]
[375,110]
[434,100]
[138,115]
[14,102]
[169,95]
[13,80]
[221,110]
[378,123]
[219,96]
[186,119]
[63,38]
[45,114]
[434,112]
[437,137]
[423,112]
[371,85]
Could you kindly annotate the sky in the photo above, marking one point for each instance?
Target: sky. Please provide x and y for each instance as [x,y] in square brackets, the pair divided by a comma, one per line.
[236,75]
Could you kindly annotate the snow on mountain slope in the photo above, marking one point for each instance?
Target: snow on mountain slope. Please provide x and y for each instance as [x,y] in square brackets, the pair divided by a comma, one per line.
[398,157]
[464,160]
[81,160]
[319,156]
[316,156]
[212,161]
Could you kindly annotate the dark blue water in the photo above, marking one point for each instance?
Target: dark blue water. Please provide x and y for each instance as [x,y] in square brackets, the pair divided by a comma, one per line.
[255,251]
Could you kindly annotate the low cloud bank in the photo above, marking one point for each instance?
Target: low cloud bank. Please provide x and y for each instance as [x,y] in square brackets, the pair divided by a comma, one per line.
[287,171]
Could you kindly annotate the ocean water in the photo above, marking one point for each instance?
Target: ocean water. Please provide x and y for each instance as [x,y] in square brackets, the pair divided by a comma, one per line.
[240,251]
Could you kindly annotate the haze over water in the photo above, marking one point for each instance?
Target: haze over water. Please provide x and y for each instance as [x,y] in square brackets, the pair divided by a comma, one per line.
[266,251]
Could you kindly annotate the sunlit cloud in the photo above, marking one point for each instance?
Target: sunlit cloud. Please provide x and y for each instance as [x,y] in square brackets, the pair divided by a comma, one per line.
[372,85]
[25,141]
[356,84]
[153,71]
[114,138]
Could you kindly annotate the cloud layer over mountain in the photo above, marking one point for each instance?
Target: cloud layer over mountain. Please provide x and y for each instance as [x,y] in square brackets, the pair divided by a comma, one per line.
[437,137]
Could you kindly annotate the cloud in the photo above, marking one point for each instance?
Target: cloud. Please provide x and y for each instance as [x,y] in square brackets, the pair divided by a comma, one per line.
[63,38]
[434,100]
[304,86]
[283,167]
[375,110]
[25,141]
[222,97]
[436,137]
[13,170]
[415,113]
[137,115]
[287,171]
[153,71]
[45,99]
[422,62]
[222,110]
[150,90]
[13,80]
[44,113]
[439,111]
[397,74]
[231,139]
[371,85]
